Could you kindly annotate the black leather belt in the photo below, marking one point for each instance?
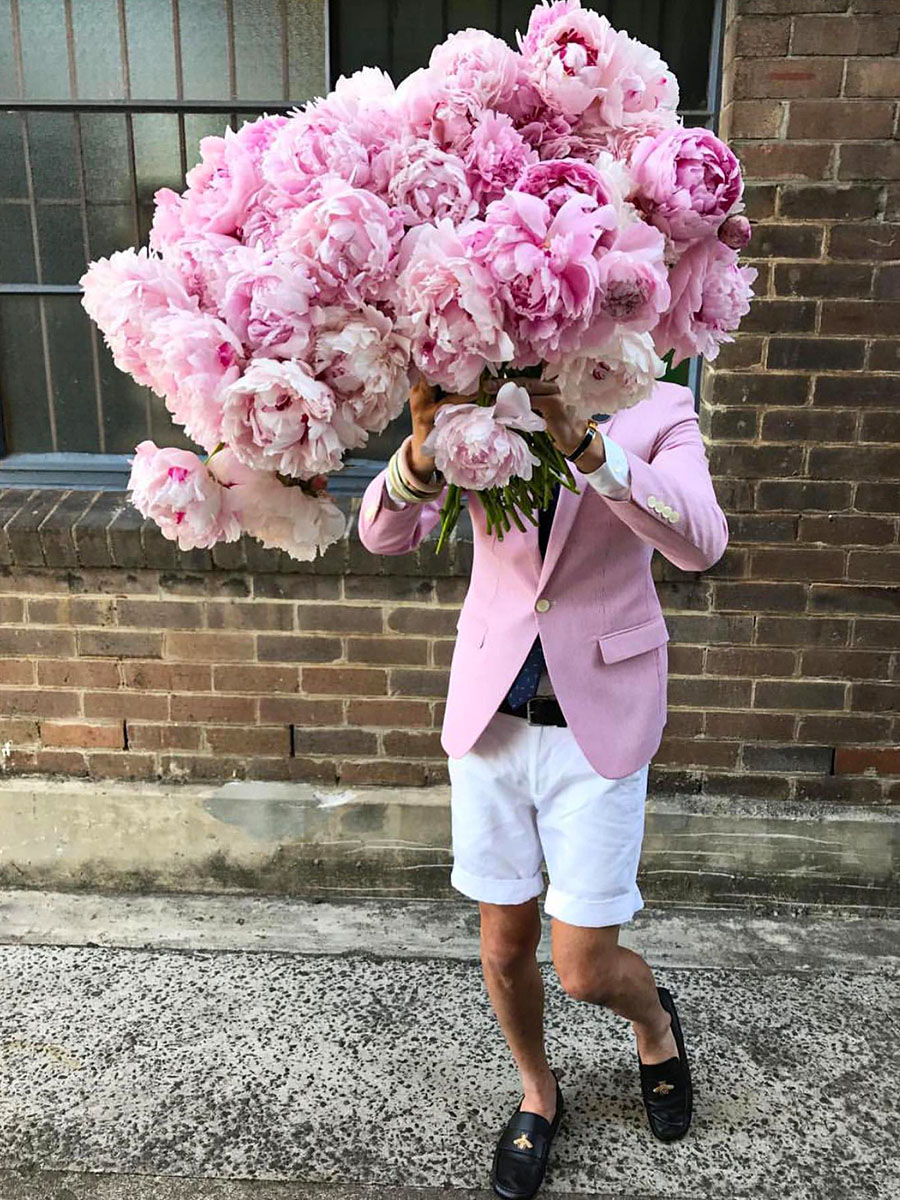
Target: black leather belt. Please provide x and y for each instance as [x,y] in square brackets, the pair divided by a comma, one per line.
[539,710]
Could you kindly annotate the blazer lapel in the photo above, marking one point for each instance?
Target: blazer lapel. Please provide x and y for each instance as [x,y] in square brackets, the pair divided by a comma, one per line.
[566,511]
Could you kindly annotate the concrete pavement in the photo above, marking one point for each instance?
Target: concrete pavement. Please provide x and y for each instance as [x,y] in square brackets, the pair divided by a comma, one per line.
[229,1048]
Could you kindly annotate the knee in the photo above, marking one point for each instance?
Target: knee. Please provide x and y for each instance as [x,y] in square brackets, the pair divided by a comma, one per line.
[590,979]
[505,950]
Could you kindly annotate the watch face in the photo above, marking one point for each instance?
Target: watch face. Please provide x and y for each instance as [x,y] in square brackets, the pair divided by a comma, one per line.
[601,417]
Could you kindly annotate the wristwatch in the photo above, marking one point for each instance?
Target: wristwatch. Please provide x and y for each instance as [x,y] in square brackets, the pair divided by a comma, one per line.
[592,430]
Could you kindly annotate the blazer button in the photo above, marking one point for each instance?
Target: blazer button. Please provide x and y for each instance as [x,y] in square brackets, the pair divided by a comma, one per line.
[667,511]
[651,502]
[675,517]
[542,605]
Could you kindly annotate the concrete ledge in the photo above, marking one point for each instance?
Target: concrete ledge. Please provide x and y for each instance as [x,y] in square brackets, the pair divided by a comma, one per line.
[305,841]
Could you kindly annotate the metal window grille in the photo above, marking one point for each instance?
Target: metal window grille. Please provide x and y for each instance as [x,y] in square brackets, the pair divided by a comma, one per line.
[102,102]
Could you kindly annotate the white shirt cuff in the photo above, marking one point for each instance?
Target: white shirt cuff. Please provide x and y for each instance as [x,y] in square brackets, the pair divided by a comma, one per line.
[398,501]
[613,477]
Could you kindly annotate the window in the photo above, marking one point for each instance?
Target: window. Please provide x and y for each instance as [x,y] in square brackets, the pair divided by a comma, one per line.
[102,102]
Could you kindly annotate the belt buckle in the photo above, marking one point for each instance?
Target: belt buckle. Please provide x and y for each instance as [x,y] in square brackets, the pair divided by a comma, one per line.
[542,705]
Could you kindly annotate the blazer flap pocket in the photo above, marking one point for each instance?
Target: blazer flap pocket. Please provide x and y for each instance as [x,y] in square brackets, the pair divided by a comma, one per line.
[624,643]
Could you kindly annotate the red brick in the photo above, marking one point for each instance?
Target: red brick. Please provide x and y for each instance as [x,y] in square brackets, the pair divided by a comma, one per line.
[766,388]
[39,703]
[254,614]
[394,714]
[798,694]
[709,693]
[68,610]
[834,728]
[804,424]
[860,760]
[258,741]
[19,733]
[159,614]
[127,765]
[384,773]
[865,317]
[701,752]
[867,241]
[12,610]
[340,618]
[874,697]
[874,566]
[17,670]
[786,160]
[873,77]
[298,648]
[840,530]
[405,744]
[295,710]
[167,677]
[780,77]
[61,762]
[841,119]
[845,35]
[797,562]
[390,651]
[802,631]
[762,35]
[126,705]
[848,279]
[211,647]
[33,641]
[118,643]
[757,118]
[830,202]
[144,736]
[875,390]
[85,736]
[755,726]
[854,462]
[793,6]
[335,742]
[77,673]
[218,710]
[869,160]
[254,677]
[418,683]
[884,355]
[877,633]
[846,664]
[751,661]
[819,353]
[344,681]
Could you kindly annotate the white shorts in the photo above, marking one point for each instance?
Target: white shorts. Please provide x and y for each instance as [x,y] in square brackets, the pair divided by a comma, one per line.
[526,793]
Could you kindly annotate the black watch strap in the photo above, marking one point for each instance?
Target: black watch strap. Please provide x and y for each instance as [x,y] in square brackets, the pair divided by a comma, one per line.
[584,443]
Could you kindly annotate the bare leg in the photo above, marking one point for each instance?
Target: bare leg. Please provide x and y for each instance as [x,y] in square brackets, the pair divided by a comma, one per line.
[592,966]
[509,938]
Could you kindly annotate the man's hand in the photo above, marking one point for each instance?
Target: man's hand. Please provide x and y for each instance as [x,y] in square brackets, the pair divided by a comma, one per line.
[423,407]
[565,431]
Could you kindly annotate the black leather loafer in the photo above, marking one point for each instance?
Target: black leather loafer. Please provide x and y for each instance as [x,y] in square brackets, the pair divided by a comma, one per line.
[520,1158]
[666,1087]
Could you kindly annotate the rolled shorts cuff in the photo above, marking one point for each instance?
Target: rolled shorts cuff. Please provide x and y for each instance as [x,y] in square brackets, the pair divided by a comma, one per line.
[496,891]
[594,914]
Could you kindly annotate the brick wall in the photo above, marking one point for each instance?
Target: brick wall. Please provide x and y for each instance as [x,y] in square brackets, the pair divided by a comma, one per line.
[122,657]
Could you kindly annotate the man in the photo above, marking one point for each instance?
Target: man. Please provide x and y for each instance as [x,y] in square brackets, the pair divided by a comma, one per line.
[556,705]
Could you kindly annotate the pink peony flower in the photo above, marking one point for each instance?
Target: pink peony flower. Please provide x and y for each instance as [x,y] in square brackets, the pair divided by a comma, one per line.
[477,71]
[125,295]
[176,490]
[365,362]
[267,301]
[710,294]
[257,136]
[201,259]
[556,180]
[496,157]
[167,227]
[576,59]
[633,279]
[282,516]
[198,357]
[271,212]
[477,446]
[545,267]
[278,417]
[447,307]
[735,232]
[610,376]
[686,182]
[221,187]
[427,184]
[349,239]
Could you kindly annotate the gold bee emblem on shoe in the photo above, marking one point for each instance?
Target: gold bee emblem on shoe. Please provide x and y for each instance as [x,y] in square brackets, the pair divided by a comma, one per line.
[663,1088]
[523,1143]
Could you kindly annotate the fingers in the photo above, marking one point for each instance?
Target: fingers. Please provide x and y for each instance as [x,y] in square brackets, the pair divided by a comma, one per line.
[534,387]
[421,392]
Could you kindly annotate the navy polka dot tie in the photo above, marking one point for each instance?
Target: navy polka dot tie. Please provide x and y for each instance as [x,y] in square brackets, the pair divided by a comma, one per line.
[525,684]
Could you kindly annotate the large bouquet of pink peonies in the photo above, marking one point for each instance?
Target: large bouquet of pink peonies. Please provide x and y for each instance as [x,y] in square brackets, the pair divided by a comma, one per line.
[497,213]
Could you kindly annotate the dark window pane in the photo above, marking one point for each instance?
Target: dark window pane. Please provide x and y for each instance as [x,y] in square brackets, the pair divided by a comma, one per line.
[51,142]
[360,35]
[105,157]
[306,50]
[110,227]
[125,405]
[258,38]
[16,245]
[61,242]
[98,47]
[72,375]
[44,55]
[13,184]
[151,49]
[26,420]
[472,14]
[198,126]
[689,47]
[204,50]
[163,432]
[156,152]
[9,81]
[417,27]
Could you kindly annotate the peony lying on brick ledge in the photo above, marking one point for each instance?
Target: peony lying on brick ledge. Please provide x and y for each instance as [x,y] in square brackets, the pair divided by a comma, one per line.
[501,211]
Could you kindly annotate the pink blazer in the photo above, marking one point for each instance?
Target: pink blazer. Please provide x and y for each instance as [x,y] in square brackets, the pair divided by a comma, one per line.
[592,598]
